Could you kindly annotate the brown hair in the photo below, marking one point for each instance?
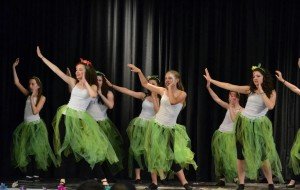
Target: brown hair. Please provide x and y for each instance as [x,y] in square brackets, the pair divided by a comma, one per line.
[104,88]
[267,84]
[40,90]
[90,73]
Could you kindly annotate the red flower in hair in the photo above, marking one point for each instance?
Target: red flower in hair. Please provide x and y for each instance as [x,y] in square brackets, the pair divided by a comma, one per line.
[86,62]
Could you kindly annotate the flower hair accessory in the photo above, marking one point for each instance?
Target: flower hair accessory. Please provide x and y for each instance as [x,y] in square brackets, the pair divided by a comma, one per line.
[153,77]
[86,62]
[257,67]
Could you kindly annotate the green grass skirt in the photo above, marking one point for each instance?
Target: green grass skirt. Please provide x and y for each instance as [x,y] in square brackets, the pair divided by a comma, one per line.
[223,148]
[82,137]
[255,136]
[30,139]
[294,163]
[165,145]
[116,141]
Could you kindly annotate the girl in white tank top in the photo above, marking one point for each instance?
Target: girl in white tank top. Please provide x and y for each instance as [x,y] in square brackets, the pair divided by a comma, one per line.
[223,141]
[75,131]
[31,149]
[137,127]
[98,110]
[167,144]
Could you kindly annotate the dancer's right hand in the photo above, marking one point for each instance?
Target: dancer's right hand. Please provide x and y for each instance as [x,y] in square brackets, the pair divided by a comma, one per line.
[16,63]
[133,68]
[39,53]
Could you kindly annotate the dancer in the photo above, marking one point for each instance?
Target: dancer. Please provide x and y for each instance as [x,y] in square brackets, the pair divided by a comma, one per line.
[137,127]
[75,131]
[255,143]
[98,110]
[31,148]
[223,141]
[167,144]
[294,162]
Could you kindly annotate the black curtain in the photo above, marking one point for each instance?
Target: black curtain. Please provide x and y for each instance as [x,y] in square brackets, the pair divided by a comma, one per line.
[228,37]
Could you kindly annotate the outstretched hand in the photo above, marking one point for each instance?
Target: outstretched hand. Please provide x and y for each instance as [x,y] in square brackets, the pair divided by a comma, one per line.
[39,53]
[16,63]
[68,72]
[207,75]
[133,68]
[279,76]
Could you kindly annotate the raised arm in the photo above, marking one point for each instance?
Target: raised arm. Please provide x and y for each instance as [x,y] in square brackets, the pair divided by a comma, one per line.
[109,100]
[138,95]
[16,79]
[286,83]
[144,81]
[37,108]
[216,98]
[227,86]
[69,80]
[92,89]
[68,72]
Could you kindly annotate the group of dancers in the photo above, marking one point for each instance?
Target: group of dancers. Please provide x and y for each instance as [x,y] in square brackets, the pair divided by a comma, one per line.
[244,142]
[241,146]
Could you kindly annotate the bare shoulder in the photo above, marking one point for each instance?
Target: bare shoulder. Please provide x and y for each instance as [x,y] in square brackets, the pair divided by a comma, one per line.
[182,93]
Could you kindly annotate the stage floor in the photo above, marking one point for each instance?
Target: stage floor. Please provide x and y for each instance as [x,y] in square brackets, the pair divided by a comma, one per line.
[170,185]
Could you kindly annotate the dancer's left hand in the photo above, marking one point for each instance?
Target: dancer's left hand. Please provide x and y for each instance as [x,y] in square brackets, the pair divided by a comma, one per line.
[39,53]
[133,68]
[207,75]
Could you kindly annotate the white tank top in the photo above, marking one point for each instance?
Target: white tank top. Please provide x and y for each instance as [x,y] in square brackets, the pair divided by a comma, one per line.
[28,115]
[227,124]
[255,106]
[97,110]
[167,113]
[80,99]
[147,110]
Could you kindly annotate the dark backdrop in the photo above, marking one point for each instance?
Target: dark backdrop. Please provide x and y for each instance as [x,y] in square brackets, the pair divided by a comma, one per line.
[228,37]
